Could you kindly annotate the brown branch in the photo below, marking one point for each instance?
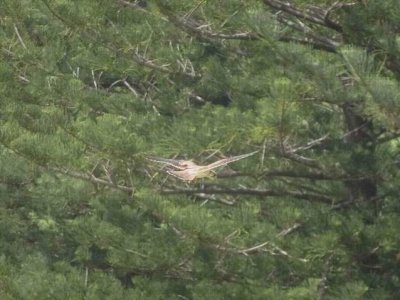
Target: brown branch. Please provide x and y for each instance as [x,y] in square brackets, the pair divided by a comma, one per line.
[291,16]
[301,159]
[317,175]
[350,202]
[252,192]
[319,19]
[328,21]
[291,153]
[307,42]
[311,35]
[296,174]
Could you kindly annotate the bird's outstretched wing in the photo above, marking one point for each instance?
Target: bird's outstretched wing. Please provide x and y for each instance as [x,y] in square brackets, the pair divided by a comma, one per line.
[188,170]
[228,160]
[179,164]
[191,173]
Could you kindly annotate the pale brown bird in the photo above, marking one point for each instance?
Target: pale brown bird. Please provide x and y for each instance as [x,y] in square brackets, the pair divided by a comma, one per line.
[187,170]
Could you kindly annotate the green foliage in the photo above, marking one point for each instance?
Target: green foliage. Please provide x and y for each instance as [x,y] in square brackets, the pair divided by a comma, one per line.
[90,89]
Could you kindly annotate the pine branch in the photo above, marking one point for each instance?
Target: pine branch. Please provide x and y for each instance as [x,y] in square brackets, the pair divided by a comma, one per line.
[267,246]
[300,174]
[75,174]
[251,192]
[314,37]
[308,42]
[292,173]
[290,152]
[58,16]
[350,202]
[201,30]
[312,163]
[91,178]
[313,17]
[293,15]
[289,230]
[310,144]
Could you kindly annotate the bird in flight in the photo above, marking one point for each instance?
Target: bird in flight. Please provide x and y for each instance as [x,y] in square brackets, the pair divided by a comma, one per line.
[187,170]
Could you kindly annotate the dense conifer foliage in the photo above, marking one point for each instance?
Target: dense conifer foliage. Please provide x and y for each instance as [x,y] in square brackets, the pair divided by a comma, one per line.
[89,89]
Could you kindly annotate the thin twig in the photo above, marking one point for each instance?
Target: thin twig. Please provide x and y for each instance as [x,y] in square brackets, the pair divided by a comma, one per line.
[91,178]
[289,230]
[267,246]
[19,37]
[86,276]
[148,63]
[201,30]
[310,144]
[126,83]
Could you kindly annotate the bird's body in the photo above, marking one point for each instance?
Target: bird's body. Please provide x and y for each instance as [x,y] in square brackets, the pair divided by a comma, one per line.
[187,170]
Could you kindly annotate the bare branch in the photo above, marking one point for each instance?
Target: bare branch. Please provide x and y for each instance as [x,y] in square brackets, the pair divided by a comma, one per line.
[311,35]
[307,42]
[349,202]
[268,173]
[289,230]
[290,153]
[19,37]
[126,83]
[91,178]
[301,159]
[328,21]
[252,192]
[267,246]
[190,26]
[310,144]
[300,174]
[309,16]
[253,249]
[211,197]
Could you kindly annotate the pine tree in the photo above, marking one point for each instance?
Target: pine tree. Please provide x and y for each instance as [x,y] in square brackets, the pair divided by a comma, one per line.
[91,88]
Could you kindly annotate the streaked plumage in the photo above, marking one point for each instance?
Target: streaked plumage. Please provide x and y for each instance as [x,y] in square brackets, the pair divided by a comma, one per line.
[187,170]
